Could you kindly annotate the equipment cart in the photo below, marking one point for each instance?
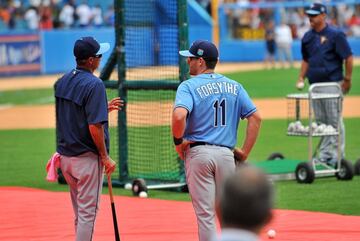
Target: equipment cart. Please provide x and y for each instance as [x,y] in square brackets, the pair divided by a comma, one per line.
[318,114]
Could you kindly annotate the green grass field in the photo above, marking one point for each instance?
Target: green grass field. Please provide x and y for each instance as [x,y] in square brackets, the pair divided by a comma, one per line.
[25,152]
[279,82]
[27,97]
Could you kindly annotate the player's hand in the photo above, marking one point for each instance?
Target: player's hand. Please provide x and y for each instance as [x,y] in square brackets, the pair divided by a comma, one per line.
[115,104]
[180,149]
[345,86]
[239,155]
[109,165]
[300,84]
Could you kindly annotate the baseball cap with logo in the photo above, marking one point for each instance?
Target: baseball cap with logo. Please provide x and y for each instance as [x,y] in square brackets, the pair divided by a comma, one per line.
[201,48]
[316,9]
[87,47]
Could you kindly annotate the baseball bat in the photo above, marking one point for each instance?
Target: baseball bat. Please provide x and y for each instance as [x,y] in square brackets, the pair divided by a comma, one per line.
[116,229]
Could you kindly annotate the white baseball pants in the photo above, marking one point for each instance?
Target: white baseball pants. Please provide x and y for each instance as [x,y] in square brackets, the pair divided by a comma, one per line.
[206,167]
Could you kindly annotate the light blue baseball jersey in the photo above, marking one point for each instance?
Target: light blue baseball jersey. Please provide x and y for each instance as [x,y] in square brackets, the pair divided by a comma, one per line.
[215,104]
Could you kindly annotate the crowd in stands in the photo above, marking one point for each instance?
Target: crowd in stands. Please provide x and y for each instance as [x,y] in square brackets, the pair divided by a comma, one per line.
[52,14]
[64,14]
[346,17]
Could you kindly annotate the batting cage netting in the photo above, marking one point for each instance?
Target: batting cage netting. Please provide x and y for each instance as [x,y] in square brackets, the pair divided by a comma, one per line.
[148,35]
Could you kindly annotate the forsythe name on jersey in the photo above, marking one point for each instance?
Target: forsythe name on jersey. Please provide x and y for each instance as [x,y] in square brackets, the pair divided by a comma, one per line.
[217,88]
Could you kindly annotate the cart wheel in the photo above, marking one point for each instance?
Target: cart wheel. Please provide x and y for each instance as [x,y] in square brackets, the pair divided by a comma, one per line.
[61,178]
[357,167]
[138,185]
[346,171]
[304,173]
[275,156]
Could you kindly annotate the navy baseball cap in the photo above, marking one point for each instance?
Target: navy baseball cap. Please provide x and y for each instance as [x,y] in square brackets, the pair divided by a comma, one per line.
[201,48]
[87,47]
[316,9]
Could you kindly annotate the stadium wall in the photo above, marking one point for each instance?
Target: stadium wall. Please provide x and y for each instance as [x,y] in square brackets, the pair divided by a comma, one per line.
[56,48]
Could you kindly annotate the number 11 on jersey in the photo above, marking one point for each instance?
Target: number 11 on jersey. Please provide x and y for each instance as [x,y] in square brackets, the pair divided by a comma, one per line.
[219,112]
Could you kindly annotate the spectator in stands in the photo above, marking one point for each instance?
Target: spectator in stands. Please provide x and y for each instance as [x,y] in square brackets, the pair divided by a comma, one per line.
[270,45]
[4,15]
[235,18]
[97,16]
[245,18]
[84,14]
[294,21]
[109,17]
[11,8]
[67,15]
[343,13]
[19,21]
[303,25]
[245,205]
[354,25]
[45,14]
[230,20]
[239,17]
[255,19]
[284,39]
[34,3]
[32,18]
[55,9]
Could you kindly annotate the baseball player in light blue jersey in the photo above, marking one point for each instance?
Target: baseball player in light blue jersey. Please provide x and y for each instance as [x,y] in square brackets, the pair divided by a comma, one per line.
[207,111]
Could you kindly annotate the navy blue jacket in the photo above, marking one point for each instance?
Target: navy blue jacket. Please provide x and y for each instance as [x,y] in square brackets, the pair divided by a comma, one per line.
[325,52]
[80,100]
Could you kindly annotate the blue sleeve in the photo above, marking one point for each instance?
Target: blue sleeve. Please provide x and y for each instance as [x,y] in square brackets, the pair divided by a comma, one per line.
[304,54]
[184,97]
[247,107]
[342,46]
[96,105]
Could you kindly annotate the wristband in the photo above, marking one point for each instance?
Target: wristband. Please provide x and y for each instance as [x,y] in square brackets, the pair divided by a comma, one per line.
[178,141]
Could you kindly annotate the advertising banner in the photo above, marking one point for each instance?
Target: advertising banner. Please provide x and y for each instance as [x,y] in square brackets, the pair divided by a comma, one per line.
[20,54]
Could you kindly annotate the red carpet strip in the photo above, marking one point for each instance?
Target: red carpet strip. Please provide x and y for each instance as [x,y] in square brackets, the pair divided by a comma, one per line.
[36,215]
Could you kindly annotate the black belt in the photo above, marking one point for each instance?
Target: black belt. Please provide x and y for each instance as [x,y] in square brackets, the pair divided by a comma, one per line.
[202,143]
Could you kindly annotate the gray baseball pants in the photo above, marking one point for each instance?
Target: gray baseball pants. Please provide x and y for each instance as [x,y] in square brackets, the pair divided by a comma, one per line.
[285,53]
[206,167]
[326,111]
[84,174]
